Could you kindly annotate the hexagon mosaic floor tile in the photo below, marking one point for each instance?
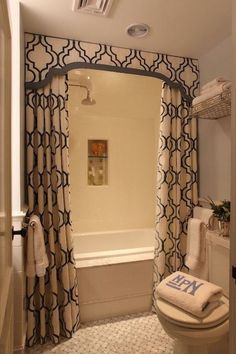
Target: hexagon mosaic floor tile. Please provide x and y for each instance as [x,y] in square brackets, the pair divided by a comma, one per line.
[131,334]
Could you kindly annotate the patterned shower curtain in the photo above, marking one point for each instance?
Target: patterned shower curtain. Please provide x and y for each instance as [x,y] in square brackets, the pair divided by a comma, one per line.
[176,183]
[52,300]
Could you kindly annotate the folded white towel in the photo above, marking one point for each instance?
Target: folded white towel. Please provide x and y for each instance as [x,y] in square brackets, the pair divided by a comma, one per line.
[192,294]
[195,243]
[36,260]
[214,82]
[217,90]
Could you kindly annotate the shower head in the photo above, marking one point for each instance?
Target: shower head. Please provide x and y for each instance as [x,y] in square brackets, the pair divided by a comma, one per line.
[88,101]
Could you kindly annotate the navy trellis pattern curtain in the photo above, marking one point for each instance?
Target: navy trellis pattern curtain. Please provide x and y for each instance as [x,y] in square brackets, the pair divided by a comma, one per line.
[176,183]
[52,300]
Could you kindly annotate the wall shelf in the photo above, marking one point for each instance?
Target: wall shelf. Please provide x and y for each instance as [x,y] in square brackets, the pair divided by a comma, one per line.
[215,107]
[97,162]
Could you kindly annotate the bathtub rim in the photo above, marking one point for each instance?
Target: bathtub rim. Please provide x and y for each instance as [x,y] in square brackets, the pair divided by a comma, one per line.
[95,259]
[107,232]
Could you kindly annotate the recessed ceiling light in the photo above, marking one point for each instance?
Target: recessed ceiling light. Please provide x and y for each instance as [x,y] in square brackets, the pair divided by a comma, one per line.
[138,30]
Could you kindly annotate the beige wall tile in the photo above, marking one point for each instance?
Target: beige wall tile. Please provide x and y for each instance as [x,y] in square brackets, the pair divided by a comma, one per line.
[127,115]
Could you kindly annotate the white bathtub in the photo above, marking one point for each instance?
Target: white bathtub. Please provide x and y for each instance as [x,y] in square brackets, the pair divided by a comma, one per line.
[111,247]
[115,272]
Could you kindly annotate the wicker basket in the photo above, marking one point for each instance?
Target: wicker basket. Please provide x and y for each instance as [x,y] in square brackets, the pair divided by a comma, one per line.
[216,107]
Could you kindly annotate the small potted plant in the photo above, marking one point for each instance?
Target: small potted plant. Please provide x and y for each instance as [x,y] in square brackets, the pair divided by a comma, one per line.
[221,211]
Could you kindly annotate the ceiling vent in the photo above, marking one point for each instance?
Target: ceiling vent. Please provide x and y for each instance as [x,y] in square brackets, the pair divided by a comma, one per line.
[92,7]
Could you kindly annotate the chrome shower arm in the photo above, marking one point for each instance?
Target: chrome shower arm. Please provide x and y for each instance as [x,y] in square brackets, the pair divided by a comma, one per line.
[83,86]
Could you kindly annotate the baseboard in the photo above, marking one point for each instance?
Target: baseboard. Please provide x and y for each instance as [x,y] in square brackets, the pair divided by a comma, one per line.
[115,307]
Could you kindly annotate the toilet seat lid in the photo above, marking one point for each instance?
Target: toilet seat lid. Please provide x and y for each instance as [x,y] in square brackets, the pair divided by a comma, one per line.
[185,319]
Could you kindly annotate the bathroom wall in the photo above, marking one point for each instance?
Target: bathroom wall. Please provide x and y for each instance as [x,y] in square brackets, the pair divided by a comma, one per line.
[127,115]
[214,136]
[17,106]
[17,122]
[19,289]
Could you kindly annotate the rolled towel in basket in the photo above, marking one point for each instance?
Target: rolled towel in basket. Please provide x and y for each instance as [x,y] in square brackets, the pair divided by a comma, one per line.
[213,83]
[192,294]
[221,85]
[216,90]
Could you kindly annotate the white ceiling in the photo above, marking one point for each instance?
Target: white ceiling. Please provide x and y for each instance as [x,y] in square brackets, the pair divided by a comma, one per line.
[179,27]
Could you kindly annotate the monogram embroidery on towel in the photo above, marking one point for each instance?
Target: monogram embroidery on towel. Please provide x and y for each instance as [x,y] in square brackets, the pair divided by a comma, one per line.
[181,283]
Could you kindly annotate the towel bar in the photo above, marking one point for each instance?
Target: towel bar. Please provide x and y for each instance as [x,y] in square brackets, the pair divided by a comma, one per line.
[209,226]
[23,231]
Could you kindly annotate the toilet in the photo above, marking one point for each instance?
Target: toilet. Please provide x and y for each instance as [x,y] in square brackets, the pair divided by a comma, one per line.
[208,335]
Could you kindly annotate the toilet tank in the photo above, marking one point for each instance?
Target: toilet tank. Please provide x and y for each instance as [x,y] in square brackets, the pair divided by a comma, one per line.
[218,258]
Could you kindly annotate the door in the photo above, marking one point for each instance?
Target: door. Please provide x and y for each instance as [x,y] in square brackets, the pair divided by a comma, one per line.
[233,193]
[6,271]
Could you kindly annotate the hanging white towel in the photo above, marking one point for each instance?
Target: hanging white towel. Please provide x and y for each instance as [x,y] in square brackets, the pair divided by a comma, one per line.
[195,243]
[37,260]
[192,294]
[206,216]
[203,214]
